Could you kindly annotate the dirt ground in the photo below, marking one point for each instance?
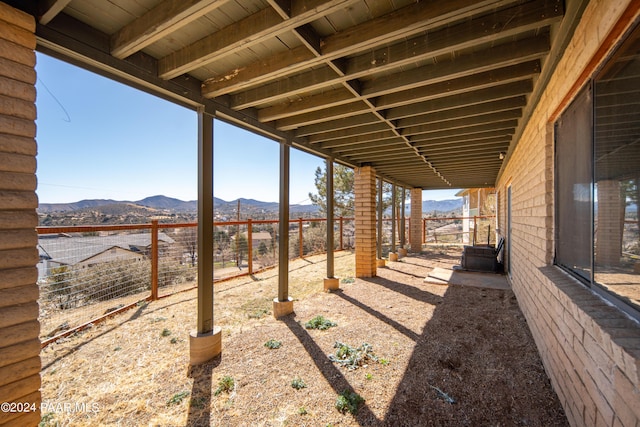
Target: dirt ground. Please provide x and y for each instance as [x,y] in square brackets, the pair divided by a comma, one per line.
[441,355]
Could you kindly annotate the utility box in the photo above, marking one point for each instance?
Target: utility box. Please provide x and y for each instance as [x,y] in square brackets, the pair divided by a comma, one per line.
[479,258]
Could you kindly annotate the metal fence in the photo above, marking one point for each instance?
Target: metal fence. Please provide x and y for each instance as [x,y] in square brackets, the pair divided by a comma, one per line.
[87,273]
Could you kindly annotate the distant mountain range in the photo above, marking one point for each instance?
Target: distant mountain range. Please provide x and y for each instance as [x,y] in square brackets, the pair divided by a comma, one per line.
[168,204]
[176,205]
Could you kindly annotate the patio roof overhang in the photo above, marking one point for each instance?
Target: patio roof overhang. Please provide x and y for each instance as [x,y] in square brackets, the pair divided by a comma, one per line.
[432,94]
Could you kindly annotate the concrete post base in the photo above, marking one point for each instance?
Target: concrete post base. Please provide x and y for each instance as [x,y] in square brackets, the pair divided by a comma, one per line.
[331,284]
[402,252]
[393,257]
[282,308]
[204,347]
[381,262]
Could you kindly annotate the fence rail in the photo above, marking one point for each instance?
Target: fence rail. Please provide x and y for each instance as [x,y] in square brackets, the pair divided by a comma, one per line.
[88,273]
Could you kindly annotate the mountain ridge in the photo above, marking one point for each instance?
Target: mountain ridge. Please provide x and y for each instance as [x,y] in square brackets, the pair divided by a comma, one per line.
[176,205]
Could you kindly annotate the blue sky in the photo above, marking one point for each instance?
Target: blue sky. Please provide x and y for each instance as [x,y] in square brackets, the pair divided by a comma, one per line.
[99,139]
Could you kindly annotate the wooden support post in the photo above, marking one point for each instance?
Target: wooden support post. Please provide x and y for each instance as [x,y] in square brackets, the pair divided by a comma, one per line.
[205,342]
[300,239]
[250,245]
[154,259]
[379,224]
[393,253]
[330,282]
[283,305]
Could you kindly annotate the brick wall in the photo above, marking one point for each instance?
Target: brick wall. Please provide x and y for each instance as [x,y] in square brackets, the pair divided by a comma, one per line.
[365,219]
[19,343]
[415,232]
[591,351]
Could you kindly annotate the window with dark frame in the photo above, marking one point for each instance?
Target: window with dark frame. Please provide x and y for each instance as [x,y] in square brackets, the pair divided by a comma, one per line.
[597,180]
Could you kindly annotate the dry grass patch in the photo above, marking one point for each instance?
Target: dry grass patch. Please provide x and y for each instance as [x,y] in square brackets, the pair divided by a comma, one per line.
[470,344]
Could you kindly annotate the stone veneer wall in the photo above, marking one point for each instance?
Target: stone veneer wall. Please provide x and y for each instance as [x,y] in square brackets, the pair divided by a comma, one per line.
[19,342]
[591,351]
[415,232]
[365,219]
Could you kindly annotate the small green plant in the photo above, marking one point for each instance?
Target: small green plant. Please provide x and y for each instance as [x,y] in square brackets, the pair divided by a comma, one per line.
[384,362]
[368,376]
[348,280]
[302,410]
[177,398]
[258,314]
[47,420]
[165,332]
[352,357]
[319,322]
[226,384]
[298,383]
[117,348]
[273,344]
[174,340]
[349,401]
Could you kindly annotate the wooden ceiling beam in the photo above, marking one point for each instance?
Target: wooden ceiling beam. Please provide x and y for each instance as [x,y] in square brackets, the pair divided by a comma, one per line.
[478,137]
[358,108]
[504,23]
[501,105]
[247,32]
[355,108]
[162,20]
[369,147]
[459,123]
[489,142]
[517,74]
[348,133]
[362,139]
[338,124]
[306,105]
[49,9]
[485,60]
[507,125]
[497,98]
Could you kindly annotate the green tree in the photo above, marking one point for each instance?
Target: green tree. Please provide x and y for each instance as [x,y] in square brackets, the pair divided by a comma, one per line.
[343,200]
[344,197]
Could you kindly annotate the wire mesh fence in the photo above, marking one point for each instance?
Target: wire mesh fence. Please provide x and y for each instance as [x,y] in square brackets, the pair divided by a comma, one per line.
[87,273]
[476,230]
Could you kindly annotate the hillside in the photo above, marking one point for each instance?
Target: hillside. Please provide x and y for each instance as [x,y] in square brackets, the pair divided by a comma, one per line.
[168,209]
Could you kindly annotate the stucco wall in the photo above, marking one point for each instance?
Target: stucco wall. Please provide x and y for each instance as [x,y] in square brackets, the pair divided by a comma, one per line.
[19,343]
[590,350]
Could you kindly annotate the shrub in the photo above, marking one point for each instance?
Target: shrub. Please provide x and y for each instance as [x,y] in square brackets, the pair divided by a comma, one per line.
[226,384]
[319,322]
[298,383]
[273,344]
[349,401]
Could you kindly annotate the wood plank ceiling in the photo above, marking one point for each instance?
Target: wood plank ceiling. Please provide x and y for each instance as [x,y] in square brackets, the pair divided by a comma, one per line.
[430,93]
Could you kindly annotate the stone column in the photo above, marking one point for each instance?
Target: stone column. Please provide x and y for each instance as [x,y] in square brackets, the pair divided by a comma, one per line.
[416,220]
[365,219]
[19,343]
